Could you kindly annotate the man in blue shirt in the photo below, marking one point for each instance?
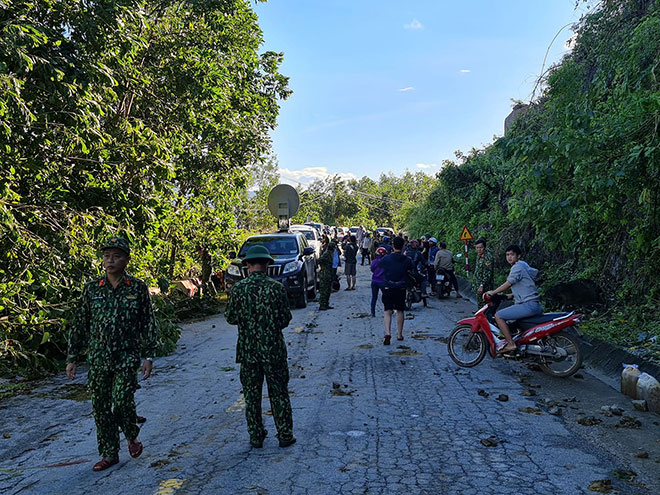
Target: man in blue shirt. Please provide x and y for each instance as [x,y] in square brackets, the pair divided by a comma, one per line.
[396,267]
[433,249]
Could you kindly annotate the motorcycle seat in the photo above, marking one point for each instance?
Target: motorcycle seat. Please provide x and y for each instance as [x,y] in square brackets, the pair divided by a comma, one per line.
[532,321]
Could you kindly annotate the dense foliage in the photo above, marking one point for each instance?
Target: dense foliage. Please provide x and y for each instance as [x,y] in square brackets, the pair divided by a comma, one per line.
[136,117]
[576,181]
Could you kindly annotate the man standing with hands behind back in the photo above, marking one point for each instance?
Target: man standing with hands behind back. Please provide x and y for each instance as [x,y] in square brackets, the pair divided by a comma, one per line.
[259,306]
[484,271]
[115,322]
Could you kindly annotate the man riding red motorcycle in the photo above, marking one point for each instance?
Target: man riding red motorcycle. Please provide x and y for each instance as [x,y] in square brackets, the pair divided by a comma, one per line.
[521,282]
[550,339]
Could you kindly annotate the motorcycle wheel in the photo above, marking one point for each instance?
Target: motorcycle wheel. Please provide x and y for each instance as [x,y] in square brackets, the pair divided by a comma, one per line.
[564,367]
[465,348]
[409,300]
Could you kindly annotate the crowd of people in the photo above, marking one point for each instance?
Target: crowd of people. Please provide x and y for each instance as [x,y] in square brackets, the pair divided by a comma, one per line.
[395,263]
[116,328]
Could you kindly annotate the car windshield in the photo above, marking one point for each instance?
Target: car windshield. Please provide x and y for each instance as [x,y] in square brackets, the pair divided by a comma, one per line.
[309,234]
[276,245]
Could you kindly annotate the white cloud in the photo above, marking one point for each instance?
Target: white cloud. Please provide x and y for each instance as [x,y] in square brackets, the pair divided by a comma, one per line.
[465,71]
[414,25]
[409,88]
[309,174]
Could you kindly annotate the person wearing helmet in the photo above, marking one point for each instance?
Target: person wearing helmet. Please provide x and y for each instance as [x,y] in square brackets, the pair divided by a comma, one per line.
[259,306]
[419,264]
[377,278]
[386,244]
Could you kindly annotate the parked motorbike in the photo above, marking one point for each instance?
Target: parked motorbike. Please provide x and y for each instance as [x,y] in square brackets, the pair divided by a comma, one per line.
[548,339]
[414,291]
[442,283]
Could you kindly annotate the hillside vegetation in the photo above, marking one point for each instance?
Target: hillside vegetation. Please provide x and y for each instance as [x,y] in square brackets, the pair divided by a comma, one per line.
[576,181]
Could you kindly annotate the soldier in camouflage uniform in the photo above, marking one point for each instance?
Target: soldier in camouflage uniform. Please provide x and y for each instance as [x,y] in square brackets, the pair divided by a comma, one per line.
[259,306]
[115,323]
[482,281]
[325,276]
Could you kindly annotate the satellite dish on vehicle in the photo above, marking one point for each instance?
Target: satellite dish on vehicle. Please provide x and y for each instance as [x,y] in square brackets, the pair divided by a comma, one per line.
[283,203]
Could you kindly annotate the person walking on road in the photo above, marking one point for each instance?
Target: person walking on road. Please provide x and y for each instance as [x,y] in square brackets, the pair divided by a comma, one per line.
[377,278]
[259,306]
[115,323]
[396,267]
[350,263]
[326,274]
[484,269]
[444,260]
[366,245]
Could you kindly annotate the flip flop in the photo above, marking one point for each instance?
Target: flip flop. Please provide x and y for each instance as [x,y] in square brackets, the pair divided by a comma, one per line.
[507,348]
[135,449]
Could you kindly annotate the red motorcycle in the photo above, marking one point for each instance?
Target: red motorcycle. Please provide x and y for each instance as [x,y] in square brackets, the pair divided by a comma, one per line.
[548,339]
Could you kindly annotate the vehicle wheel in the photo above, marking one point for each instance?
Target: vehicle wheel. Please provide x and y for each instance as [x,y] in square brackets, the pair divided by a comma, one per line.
[566,365]
[409,298]
[466,348]
[311,293]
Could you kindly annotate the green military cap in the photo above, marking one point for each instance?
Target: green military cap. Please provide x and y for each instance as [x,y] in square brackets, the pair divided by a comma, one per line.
[258,252]
[116,242]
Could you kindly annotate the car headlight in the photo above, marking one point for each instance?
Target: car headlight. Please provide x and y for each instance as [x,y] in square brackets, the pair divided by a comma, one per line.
[291,266]
[234,271]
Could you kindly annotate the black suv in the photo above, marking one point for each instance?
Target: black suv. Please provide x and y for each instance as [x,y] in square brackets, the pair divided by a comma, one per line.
[294,266]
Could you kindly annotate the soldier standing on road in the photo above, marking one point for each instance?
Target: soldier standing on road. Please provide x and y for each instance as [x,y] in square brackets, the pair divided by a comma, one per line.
[326,275]
[259,306]
[483,272]
[115,323]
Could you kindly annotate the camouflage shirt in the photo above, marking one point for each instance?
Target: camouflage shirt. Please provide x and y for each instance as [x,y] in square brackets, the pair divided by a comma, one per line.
[116,325]
[325,260]
[260,307]
[483,271]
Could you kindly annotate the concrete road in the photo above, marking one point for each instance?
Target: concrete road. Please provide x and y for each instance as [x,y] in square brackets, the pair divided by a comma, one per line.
[369,419]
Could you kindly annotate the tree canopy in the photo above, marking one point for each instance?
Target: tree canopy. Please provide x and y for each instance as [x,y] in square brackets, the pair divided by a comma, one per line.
[121,116]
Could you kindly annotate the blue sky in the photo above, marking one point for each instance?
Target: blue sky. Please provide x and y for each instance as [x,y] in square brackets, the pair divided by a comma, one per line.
[385,86]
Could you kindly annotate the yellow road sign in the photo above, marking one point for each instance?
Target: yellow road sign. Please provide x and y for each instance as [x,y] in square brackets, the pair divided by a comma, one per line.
[465,235]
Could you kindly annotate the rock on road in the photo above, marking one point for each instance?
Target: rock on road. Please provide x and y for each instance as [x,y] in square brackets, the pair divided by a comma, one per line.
[369,419]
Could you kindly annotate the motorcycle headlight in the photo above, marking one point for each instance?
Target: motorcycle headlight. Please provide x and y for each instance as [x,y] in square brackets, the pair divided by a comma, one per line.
[291,266]
[234,271]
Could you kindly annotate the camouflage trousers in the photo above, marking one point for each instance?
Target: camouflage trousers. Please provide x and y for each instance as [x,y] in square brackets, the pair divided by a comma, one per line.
[277,379]
[325,286]
[113,405]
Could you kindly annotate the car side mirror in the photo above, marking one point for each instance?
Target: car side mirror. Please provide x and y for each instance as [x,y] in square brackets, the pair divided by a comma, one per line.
[308,250]
[232,254]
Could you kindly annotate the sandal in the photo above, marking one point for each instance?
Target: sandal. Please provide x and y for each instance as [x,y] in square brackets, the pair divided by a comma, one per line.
[507,348]
[135,449]
[104,464]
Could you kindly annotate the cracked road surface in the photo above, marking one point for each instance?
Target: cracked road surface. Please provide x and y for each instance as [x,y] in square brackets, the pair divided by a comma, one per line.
[369,419]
